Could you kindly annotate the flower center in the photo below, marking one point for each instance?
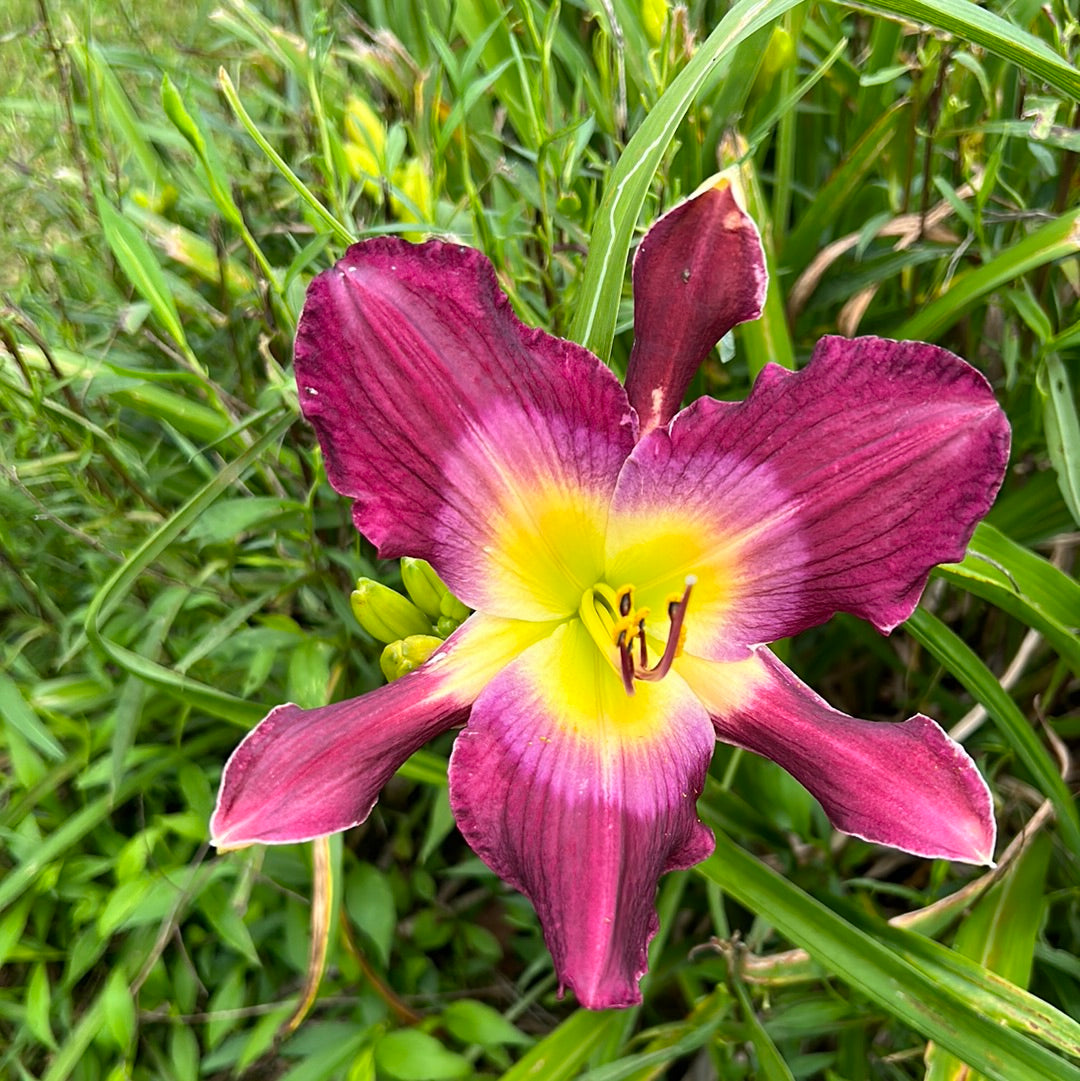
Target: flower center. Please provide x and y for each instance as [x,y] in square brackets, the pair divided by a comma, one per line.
[612,619]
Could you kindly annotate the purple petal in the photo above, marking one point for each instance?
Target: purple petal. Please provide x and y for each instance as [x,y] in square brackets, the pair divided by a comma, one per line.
[906,785]
[454,427]
[581,797]
[698,272]
[304,773]
[836,488]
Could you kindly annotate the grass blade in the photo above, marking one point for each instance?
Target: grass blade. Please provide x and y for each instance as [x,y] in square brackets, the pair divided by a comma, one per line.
[893,983]
[1023,584]
[962,662]
[594,319]
[1057,239]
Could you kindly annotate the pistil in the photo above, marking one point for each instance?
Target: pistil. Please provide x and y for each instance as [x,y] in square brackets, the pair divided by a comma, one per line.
[611,617]
[677,615]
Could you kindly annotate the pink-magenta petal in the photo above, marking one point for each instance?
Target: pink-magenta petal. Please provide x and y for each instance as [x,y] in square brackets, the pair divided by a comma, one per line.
[437,409]
[836,488]
[304,773]
[698,272]
[581,797]
[907,785]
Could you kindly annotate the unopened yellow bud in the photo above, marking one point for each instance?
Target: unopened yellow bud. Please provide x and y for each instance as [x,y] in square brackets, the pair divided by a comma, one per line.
[654,15]
[364,127]
[423,585]
[160,202]
[384,613]
[406,654]
[365,145]
[413,182]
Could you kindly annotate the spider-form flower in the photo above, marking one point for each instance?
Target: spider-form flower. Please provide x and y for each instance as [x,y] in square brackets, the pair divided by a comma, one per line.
[626,564]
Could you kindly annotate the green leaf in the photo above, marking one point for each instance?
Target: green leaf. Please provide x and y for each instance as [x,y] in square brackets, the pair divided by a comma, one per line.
[1057,239]
[668,1043]
[369,901]
[184,1053]
[89,1026]
[140,265]
[887,979]
[18,878]
[770,1062]
[38,1001]
[841,188]
[335,227]
[961,661]
[309,679]
[1023,584]
[229,518]
[1000,935]
[217,702]
[561,1053]
[475,1022]
[1001,930]
[999,36]
[116,109]
[227,921]
[227,997]
[119,1011]
[1062,430]
[18,715]
[327,1054]
[613,227]
[175,109]
[410,1055]
[992,996]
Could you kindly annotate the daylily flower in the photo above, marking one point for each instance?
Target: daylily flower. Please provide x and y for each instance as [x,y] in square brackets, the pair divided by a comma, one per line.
[626,563]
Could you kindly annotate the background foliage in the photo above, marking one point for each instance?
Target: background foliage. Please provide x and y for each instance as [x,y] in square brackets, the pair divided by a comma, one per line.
[174,562]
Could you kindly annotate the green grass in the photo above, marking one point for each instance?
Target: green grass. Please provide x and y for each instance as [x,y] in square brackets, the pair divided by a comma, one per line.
[173,561]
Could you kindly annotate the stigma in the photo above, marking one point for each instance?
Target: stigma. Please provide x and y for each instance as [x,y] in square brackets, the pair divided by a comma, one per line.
[604,608]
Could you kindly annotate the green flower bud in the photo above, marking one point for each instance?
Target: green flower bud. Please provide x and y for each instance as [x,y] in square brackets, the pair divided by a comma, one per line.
[423,585]
[385,614]
[446,625]
[406,654]
[452,607]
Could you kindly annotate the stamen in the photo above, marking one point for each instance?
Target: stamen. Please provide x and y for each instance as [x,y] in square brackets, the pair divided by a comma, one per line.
[677,614]
[626,659]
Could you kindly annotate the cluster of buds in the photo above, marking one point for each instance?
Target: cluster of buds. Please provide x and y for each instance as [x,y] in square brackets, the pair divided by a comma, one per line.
[411,627]
[377,158]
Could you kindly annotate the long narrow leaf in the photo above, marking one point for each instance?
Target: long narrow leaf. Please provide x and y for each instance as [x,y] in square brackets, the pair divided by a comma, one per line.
[962,662]
[976,24]
[1023,584]
[1057,239]
[594,320]
[879,973]
[218,703]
